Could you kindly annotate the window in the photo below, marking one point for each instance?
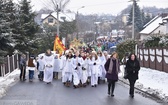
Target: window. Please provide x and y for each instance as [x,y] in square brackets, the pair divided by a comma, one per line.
[50,20]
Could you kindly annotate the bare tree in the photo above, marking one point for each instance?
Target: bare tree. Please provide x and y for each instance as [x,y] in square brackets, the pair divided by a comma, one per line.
[61,4]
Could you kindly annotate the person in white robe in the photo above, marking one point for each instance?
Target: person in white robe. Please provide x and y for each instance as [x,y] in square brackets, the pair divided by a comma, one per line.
[67,68]
[56,66]
[84,70]
[62,65]
[88,67]
[77,69]
[102,71]
[41,68]
[94,66]
[49,65]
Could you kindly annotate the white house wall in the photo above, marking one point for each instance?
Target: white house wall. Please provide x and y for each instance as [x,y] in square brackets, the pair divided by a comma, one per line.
[46,21]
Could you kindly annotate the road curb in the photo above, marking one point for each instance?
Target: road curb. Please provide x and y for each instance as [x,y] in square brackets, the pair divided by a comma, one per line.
[153,96]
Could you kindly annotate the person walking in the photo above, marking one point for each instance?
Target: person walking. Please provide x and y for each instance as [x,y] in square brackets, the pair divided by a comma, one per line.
[41,68]
[22,67]
[56,66]
[132,68]
[68,69]
[112,67]
[49,64]
[77,69]
[94,63]
[31,67]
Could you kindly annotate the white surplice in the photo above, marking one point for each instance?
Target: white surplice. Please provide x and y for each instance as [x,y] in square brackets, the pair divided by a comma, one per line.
[56,63]
[77,74]
[102,71]
[68,70]
[94,70]
[62,65]
[49,65]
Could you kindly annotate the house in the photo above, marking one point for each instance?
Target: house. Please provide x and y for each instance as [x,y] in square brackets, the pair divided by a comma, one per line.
[125,18]
[51,19]
[157,26]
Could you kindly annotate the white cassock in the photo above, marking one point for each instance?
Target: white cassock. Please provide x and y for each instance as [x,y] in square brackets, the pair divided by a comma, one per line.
[102,71]
[56,63]
[41,65]
[62,65]
[68,70]
[88,67]
[85,72]
[49,65]
[77,74]
[94,70]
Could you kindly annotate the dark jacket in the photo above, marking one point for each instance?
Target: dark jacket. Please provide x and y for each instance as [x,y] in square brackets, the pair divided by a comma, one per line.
[115,69]
[22,63]
[132,68]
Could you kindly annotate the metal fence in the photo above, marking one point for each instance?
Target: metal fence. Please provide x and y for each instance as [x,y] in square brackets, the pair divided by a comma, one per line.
[11,63]
[154,58]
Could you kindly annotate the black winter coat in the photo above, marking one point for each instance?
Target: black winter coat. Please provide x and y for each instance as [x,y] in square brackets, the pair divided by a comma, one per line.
[132,68]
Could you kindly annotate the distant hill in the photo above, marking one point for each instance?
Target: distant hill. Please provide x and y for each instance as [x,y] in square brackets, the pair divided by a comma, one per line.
[154,10]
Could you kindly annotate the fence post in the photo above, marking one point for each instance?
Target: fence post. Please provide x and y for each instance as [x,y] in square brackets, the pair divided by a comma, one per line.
[143,57]
[148,58]
[3,69]
[8,59]
[13,61]
[2,72]
[17,60]
[163,59]
[155,59]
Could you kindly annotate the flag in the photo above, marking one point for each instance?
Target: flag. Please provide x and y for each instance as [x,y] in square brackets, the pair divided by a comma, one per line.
[58,45]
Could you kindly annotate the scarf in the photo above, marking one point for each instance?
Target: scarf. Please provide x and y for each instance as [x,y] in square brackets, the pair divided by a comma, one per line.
[111,66]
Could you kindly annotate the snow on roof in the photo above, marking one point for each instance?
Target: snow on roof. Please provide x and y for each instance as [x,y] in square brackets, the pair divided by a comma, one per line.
[152,25]
[68,16]
[43,16]
[151,21]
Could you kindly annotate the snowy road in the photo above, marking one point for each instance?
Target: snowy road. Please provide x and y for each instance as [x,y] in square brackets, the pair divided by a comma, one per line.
[57,94]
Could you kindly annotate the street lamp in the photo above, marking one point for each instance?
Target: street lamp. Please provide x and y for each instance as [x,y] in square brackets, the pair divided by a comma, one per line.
[77,21]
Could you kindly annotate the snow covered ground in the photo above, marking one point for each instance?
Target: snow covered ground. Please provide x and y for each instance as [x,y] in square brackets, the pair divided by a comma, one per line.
[5,82]
[151,81]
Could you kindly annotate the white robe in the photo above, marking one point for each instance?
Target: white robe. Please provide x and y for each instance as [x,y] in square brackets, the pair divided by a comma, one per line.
[85,72]
[77,74]
[57,63]
[41,65]
[62,65]
[102,71]
[68,70]
[48,71]
[94,71]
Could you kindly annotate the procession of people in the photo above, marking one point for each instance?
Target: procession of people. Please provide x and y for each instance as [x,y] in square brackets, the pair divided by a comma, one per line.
[80,68]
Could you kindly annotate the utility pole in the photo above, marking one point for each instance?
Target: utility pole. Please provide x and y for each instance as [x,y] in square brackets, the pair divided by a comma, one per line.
[133,20]
[58,10]
[77,21]
[77,36]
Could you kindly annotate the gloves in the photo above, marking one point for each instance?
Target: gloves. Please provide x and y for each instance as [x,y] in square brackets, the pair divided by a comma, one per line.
[79,64]
[94,64]
[76,68]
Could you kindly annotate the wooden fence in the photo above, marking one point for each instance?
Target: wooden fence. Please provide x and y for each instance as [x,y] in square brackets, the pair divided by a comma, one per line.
[11,63]
[154,58]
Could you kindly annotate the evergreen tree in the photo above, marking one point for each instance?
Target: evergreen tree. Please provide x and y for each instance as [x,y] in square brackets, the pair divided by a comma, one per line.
[147,18]
[26,28]
[5,30]
[137,18]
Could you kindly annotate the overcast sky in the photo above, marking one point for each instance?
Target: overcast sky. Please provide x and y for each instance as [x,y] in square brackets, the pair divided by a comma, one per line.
[100,6]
